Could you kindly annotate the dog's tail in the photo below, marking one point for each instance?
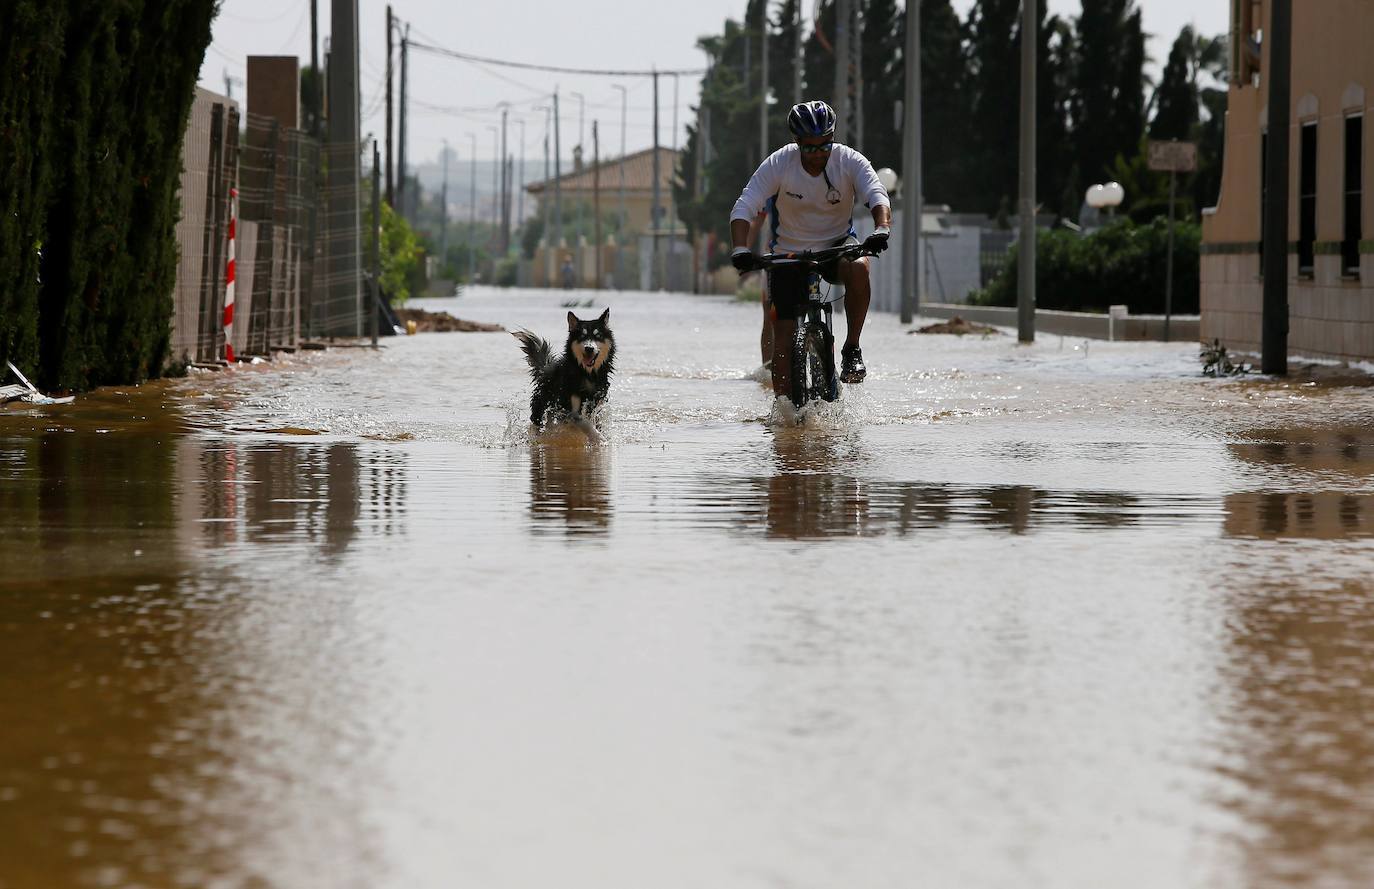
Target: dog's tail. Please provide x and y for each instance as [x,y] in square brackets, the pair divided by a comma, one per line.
[536,349]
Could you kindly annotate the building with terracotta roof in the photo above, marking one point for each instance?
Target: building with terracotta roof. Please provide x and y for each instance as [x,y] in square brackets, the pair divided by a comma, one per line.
[1330,245]
[638,172]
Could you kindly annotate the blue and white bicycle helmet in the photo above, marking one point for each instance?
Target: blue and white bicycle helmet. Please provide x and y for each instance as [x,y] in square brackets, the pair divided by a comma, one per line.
[814,118]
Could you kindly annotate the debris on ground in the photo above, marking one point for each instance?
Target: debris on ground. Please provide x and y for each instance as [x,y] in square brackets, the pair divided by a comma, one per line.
[443,322]
[1217,363]
[27,392]
[957,326]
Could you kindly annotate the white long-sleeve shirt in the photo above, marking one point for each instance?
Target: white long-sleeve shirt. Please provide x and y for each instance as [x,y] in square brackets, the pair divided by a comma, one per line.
[808,212]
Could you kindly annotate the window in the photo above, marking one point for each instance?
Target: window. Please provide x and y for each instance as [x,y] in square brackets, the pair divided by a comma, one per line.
[1354,194]
[1307,197]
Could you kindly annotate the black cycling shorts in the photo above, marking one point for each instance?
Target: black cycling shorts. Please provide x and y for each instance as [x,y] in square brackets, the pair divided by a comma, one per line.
[787,285]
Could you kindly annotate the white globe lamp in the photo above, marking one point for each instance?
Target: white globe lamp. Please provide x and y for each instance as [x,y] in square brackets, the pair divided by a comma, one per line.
[888,177]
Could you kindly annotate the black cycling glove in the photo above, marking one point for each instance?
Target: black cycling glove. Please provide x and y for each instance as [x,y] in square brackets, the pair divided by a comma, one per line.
[742,259]
[877,242]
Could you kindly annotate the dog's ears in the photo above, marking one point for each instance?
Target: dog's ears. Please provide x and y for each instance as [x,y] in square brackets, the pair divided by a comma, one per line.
[605,316]
[572,320]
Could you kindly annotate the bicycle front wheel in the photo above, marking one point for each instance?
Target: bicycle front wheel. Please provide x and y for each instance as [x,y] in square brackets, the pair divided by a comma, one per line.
[813,361]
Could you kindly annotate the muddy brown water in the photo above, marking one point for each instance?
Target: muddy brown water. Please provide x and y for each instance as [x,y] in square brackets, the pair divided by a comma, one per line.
[1060,616]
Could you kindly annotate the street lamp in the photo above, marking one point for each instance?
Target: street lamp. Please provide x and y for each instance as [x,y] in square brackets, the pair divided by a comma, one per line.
[889,179]
[1105,195]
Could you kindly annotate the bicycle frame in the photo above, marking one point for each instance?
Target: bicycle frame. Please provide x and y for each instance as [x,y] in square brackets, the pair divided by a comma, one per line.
[812,356]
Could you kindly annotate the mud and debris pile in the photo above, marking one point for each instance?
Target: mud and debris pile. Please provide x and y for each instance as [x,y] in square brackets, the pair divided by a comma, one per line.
[957,326]
[443,322]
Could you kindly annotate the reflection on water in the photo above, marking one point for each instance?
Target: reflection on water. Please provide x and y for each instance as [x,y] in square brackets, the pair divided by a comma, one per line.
[570,488]
[292,492]
[818,490]
[136,647]
[1343,452]
[1300,758]
[1044,612]
[1317,515]
[1330,465]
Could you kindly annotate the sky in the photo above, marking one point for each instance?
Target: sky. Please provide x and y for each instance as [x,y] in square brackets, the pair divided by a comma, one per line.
[455,101]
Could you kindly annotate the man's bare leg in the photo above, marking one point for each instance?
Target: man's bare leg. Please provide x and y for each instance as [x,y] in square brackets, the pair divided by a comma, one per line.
[783,331]
[857,294]
[766,333]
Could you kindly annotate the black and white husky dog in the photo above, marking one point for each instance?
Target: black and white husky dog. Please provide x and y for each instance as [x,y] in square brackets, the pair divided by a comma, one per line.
[577,381]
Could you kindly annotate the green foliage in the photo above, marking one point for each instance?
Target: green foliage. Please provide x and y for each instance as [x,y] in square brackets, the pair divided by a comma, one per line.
[1122,263]
[31,38]
[1176,101]
[92,116]
[1108,85]
[401,256]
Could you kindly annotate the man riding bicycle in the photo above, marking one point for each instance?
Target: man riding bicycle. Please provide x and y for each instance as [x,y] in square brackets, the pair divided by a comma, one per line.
[808,190]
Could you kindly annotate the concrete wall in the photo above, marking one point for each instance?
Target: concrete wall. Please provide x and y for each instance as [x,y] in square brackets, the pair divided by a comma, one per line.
[1330,314]
[1182,328]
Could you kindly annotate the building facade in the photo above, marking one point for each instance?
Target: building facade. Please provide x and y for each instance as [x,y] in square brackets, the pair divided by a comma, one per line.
[1330,242]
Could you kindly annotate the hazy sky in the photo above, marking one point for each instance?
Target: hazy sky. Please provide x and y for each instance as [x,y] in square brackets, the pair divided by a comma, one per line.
[452,99]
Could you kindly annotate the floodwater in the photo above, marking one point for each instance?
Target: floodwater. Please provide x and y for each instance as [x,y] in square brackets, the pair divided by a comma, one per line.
[1061,616]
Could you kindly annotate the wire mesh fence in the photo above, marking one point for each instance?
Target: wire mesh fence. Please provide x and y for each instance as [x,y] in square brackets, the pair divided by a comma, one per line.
[298,238]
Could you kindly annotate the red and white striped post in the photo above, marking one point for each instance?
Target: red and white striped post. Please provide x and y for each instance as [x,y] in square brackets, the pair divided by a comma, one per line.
[229,279]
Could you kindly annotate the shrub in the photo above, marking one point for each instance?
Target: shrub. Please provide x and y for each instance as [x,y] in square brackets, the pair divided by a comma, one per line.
[1120,264]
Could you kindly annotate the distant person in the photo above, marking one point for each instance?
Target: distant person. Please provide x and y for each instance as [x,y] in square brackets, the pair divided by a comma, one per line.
[569,274]
[808,190]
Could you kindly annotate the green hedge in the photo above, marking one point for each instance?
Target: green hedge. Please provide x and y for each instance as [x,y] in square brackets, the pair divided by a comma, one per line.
[1120,264]
[92,115]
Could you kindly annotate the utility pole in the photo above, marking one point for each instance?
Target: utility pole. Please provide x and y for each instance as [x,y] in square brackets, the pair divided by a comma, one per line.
[472,211]
[505,187]
[763,91]
[317,94]
[495,183]
[1274,331]
[623,93]
[580,153]
[390,114]
[596,200]
[545,204]
[912,160]
[672,199]
[841,91]
[402,192]
[376,302]
[797,58]
[443,210]
[856,35]
[557,175]
[520,192]
[1025,295]
[657,207]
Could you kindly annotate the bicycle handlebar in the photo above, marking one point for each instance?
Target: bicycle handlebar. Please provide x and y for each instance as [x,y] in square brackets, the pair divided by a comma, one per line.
[812,257]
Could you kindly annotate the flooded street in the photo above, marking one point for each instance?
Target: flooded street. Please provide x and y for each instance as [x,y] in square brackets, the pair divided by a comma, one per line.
[1061,616]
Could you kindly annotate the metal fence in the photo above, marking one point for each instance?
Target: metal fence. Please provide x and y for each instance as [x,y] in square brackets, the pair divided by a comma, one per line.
[209,172]
[298,242]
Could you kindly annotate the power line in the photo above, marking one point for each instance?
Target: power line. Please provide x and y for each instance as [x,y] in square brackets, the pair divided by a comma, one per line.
[551,69]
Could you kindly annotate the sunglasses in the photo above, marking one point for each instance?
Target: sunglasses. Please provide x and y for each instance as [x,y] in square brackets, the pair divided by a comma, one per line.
[817,149]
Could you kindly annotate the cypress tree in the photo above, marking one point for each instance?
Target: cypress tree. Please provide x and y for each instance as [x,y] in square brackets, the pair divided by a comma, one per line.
[1175,100]
[1108,103]
[782,54]
[945,140]
[883,75]
[818,55]
[994,96]
[31,37]
[109,259]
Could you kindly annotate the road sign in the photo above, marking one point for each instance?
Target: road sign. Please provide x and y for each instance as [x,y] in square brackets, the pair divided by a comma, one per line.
[1173,156]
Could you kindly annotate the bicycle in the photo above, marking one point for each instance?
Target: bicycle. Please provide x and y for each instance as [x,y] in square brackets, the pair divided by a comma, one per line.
[813,376]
